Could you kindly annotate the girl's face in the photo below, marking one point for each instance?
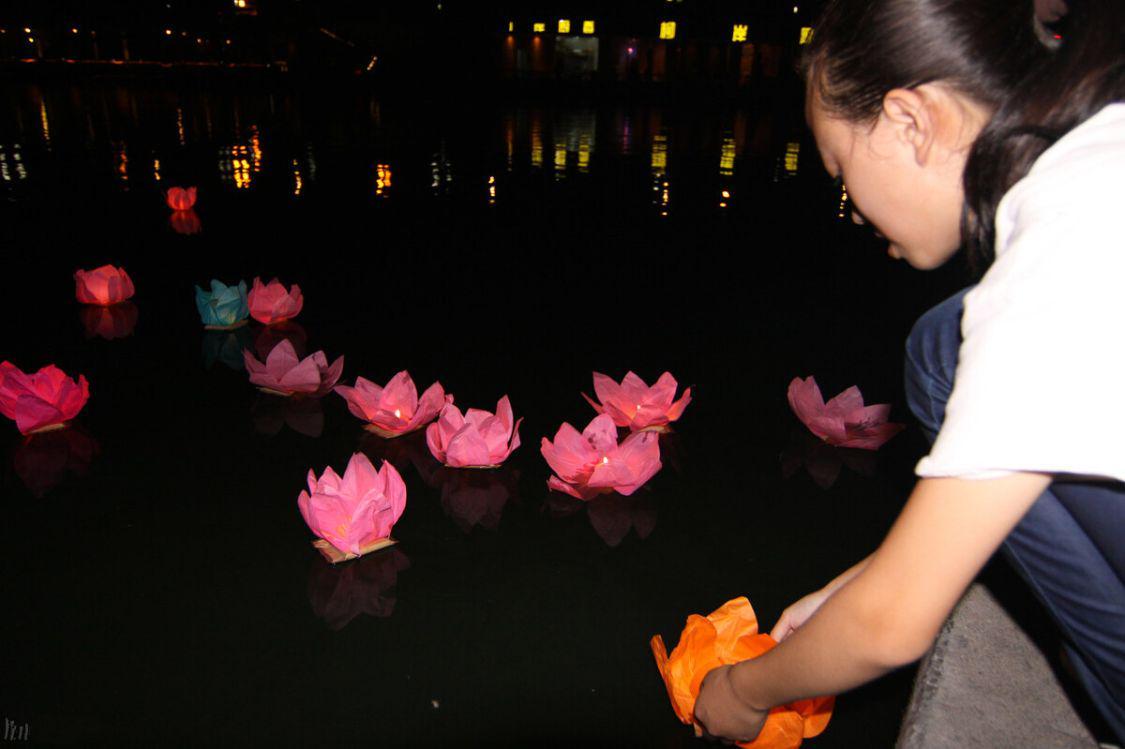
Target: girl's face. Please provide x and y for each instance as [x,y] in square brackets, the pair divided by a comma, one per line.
[903,175]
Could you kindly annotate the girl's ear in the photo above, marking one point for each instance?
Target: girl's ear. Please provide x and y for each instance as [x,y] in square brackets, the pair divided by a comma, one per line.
[910,114]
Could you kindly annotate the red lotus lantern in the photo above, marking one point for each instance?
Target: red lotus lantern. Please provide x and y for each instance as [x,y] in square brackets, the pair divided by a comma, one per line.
[180,198]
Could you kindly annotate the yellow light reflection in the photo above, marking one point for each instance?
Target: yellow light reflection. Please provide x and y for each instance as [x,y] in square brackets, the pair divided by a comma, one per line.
[659,152]
[491,190]
[738,33]
[667,29]
[156,170]
[235,167]
[842,211]
[383,179]
[584,150]
[538,27]
[45,124]
[724,196]
[536,146]
[792,154]
[560,160]
[806,34]
[511,26]
[727,156]
[564,25]
[298,181]
[122,167]
[180,125]
[587,27]
[256,150]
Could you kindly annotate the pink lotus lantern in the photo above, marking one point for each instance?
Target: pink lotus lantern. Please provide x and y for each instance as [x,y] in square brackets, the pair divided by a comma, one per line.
[478,439]
[635,405]
[396,409]
[104,286]
[353,515]
[843,421]
[180,198]
[43,401]
[285,374]
[272,303]
[592,462]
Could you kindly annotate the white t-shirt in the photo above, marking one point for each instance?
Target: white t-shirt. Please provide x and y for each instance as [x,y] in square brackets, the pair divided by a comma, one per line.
[1040,385]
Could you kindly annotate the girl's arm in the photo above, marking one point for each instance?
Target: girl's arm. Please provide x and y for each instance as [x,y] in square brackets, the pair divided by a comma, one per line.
[798,613]
[887,615]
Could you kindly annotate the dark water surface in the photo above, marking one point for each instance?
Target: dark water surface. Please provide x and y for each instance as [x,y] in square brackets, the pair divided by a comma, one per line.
[159,584]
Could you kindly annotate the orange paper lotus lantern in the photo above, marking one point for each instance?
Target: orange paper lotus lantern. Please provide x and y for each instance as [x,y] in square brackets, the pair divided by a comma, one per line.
[729,635]
[181,198]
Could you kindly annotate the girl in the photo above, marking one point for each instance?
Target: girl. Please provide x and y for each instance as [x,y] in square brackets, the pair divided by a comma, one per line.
[953,125]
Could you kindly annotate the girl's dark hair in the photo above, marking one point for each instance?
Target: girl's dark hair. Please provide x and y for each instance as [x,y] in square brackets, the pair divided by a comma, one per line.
[988,50]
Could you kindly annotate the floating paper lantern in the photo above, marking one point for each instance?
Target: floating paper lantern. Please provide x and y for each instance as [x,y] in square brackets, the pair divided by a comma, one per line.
[272,303]
[395,409]
[223,307]
[479,439]
[181,198]
[42,401]
[283,373]
[634,404]
[105,285]
[843,421]
[592,462]
[353,515]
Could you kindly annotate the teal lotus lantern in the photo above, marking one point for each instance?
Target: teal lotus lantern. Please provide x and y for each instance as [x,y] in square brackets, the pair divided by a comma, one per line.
[224,307]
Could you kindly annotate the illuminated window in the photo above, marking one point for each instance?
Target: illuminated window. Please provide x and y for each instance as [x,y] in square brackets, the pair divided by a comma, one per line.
[564,25]
[538,27]
[587,27]
[738,33]
[806,34]
[240,3]
[667,29]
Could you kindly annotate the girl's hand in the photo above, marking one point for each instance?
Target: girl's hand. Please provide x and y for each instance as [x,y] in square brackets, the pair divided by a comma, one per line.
[722,714]
[798,613]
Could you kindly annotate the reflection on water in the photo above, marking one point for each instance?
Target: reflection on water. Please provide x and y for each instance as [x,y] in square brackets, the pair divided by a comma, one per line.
[610,515]
[338,593]
[268,336]
[404,453]
[226,346]
[185,222]
[114,321]
[302,415]
[261,142]
[43,461]
[822,461]
[474,498]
